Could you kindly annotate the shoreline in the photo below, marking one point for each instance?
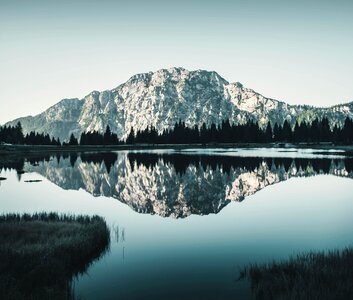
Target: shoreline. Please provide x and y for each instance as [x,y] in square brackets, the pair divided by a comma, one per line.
[27,149]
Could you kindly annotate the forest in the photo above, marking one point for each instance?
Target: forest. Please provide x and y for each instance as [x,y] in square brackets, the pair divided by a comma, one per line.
[317,132]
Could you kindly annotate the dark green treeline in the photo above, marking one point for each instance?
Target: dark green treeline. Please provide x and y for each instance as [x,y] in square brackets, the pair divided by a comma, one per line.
[14,135]
[317,131]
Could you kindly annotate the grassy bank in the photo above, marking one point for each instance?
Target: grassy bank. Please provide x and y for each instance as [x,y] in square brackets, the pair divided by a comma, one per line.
[306,276]
[41,253]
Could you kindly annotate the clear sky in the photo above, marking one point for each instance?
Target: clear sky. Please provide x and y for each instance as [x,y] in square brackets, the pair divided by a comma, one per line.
[295,51]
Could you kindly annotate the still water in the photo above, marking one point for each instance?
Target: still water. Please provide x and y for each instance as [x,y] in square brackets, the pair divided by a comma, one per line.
[183,223]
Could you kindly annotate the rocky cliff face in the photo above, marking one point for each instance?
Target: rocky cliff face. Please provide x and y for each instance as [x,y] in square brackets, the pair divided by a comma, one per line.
[164,97]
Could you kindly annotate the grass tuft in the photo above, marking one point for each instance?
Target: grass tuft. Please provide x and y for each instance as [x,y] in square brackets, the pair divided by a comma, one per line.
[40,254]
[322,275]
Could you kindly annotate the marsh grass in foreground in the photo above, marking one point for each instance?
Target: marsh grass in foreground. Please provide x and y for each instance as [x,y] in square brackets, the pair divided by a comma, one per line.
[324,275]
[41,253]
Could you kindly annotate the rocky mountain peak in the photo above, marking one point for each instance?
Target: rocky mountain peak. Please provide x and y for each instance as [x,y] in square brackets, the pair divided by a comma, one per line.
[166,96]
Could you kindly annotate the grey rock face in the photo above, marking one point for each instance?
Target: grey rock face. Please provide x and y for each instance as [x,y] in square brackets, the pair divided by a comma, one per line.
[162,98]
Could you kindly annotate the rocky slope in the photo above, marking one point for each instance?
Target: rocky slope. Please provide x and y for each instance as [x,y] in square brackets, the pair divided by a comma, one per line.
[164,97]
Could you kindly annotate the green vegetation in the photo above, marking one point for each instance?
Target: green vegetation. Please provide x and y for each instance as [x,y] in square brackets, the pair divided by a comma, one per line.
[316,131]
[40,254]
[14,135]
[307,276]
[307,130]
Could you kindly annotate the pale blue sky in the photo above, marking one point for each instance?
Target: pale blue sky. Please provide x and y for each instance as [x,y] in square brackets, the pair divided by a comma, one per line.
[296,51]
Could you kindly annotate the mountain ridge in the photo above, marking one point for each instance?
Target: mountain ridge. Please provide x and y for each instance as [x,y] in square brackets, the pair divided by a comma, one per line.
[162,98]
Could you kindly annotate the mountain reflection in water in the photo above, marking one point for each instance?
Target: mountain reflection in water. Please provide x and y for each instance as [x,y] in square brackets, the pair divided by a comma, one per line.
[172,184]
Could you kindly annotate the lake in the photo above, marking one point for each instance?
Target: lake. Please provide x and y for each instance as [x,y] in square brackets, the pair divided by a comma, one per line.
[183,223]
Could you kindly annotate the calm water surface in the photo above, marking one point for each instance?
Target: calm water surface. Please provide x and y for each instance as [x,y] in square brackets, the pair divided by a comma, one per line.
[183,223]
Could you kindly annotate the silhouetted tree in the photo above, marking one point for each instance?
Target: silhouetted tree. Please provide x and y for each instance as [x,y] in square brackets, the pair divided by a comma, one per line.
[73,140]
[268,133]
[131,137]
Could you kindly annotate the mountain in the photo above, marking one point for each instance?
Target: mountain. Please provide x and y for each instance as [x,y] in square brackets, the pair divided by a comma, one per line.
[164,97]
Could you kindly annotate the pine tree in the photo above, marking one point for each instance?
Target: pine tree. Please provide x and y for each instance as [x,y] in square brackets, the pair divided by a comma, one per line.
[131,137]
[107,138]
[73,140]
[287,132]
[268,133]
